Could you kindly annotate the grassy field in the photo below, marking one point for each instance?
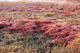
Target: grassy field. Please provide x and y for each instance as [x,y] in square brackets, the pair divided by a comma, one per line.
[18,42]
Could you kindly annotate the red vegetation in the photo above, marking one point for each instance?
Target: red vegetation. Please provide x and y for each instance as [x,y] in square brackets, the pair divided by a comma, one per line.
[47,26]
[51,7]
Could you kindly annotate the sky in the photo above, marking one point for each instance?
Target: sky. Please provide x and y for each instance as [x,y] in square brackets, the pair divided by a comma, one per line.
[55,1]
[10,0]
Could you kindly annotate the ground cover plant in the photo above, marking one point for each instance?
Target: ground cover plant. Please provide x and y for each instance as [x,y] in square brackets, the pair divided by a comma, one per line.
[39,28]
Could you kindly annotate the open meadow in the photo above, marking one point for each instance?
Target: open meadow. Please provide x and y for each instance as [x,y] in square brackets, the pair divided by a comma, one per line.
[30,27]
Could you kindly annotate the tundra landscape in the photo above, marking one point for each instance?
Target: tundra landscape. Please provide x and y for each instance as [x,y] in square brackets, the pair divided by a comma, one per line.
[39,27]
